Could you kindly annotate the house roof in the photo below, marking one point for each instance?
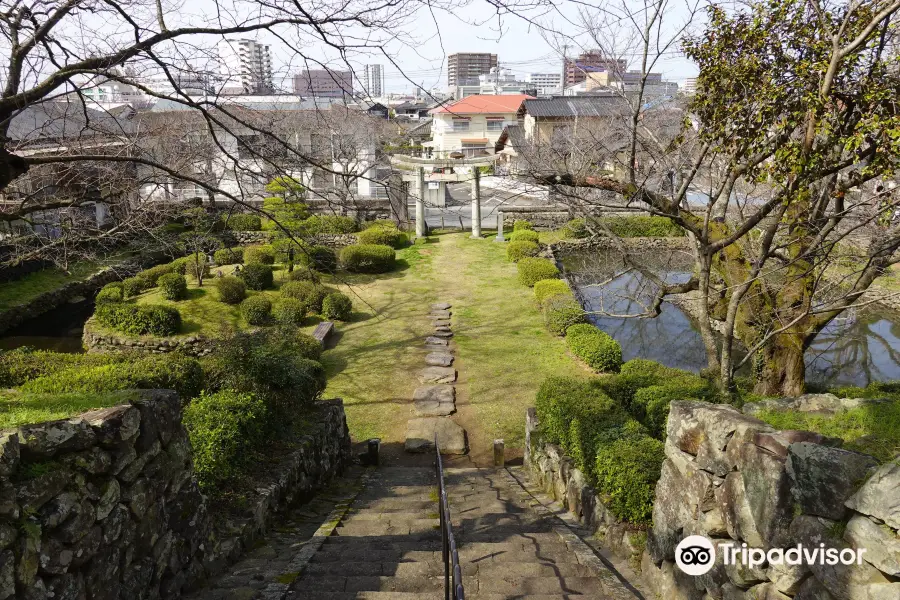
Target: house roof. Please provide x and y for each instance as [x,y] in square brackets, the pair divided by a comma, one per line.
[423,129]
[575,106]
[63,121]
[483,104]
[513,136]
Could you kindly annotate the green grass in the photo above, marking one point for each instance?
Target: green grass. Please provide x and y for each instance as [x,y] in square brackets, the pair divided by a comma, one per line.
[17,408]
[24,290]
[873,429]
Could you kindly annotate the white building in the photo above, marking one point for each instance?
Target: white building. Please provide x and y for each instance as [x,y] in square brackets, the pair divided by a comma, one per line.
[107,93]
[246,67]
[192,84]
[472,125]
[545,83]
[373,81]
[690,86]
[498,82]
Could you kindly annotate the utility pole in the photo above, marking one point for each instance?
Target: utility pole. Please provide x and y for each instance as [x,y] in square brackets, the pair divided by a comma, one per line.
[562,81]
[476,203]
[420,205]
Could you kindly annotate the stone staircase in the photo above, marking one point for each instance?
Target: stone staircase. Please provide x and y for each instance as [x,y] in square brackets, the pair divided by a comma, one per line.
[387,545]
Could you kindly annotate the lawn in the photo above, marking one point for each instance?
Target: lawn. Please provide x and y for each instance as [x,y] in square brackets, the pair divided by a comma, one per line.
[21,291]
[17,408]
[503,350]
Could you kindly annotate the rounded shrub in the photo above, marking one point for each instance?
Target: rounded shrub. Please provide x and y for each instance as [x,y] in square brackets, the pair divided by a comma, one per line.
[111,292]
[311,294]
[596,348]
[289,340]
[289,311]
[561,311]
[575,229]
[531,270]
[257,276]
[329,224]
[368,258]
[643,226]
[231,289]
[516,251]
[259,255]
[385,235]
[626,473]
[337,307]
[229,256]
[244,222]
[526,235]
[256,310]
[153,274]
[303,274]
[549,287]
[320,258]
[521,224]
[173,286]
[179,265]
[139,319]
[133,286]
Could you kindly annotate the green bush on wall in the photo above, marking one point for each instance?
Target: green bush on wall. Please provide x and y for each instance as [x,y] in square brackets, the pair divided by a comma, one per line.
[111,292]
[532,270]
[289,311]
[383,234]
[550,287]
[521,224]
[256,310]
[337,307]
[329,225]
[231,289]
[561,311]
[523,235]
[139,319]
[626,472]
[516,251]
[262,255]
[596,348]
[244,222]
[368,258]
[257,276]
[229,256]
[642,226]
[173,286]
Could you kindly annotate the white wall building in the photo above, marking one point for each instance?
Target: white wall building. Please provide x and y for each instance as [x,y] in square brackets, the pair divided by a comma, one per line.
[545,83]
[246,67]
[472,125]
[373,81]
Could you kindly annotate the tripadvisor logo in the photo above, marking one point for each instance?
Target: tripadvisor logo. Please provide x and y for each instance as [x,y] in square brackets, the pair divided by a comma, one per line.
[696,555]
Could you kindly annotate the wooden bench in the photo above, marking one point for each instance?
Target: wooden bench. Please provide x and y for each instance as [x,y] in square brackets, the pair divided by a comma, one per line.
[322,331]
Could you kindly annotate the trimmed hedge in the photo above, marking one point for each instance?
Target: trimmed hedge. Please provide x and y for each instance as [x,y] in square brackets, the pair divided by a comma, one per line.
[262,255]
[257,276]
[575,229]
[292,342]
[244,222]
[329,224]
[256,310]
[224,427]
[229,256]
[368,258]
[516,251]
[133,286]
[320,258]
[384,235]
[311,294]
[532,270]
[303,274]
[643,226]
[139,319]
[550,287]
[521,224]
[173,286]
[23,364]
[231,289]
[626,473]
[561,311]
[596,348]
[526,235]
[337,307]
[153,274]
[289,311]
[111,292]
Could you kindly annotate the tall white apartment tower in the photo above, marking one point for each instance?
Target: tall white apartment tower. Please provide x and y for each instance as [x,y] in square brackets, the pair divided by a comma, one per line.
[373,81]
[246,66]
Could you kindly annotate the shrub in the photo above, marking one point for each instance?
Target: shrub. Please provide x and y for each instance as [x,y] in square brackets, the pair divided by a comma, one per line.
[549,287]
[173,286]
[516,251]
[311,294]
[229,256]
[223,427]
[368,258]
[293,342]
[651,404]
[133,286]
[561,311]
[521,224]
[596,348]
[289,311]
[192,265]
[179,265]
[23,364]
[626,472]
[244,222]
[532,270]
[111,292]
[329,224]
[256,309]
[576,229]
[259,255]
[337,307]
[320,258]
[140,319]
[525,235]
[153,274]
[231,289]
[642,226]
[303,274]
[257,276]
[384,235]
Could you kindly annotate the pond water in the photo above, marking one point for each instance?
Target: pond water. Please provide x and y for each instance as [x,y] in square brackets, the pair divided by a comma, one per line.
[859,347]
[59,329]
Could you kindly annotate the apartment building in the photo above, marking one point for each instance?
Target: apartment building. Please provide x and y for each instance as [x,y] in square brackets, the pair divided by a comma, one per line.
[324,83]
[245,66]
[463,68]
[577,69]
[544,83]
[373,81]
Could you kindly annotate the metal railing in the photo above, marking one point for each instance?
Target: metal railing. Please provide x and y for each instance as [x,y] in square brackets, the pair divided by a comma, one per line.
[453,587]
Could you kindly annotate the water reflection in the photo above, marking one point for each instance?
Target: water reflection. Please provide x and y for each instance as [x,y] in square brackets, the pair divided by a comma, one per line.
[59,330]
[860,347]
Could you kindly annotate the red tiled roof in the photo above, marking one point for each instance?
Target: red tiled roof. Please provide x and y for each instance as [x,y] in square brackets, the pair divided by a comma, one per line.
[479,104]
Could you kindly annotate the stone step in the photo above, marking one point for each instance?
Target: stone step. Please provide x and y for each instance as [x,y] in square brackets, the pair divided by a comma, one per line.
[433,340]
[375,583]
[440,314]
[503,570]
[472,584]
[369,595]
[421,433]
[441,306]
[439,359]
[437,375]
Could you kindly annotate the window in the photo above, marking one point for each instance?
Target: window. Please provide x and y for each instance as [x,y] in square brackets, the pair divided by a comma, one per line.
[495,124]
[472,150]
[460,124]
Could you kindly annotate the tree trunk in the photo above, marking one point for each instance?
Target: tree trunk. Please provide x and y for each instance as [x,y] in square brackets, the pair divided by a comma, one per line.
[782,371]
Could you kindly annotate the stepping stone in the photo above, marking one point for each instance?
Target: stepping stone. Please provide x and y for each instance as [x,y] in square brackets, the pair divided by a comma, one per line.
[440,314]
[441,322]
[440,306]
[420,434]
[442,334]
[437,375]
[434,400]
[436,341]
[442,328]
[439,359]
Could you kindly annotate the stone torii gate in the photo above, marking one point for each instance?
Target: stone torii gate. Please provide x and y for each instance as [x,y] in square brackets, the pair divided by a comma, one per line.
[414,169]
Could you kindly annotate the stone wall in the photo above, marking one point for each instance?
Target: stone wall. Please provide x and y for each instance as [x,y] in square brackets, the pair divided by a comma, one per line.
[734,479]
[96,341]
[105,505]
[550,468]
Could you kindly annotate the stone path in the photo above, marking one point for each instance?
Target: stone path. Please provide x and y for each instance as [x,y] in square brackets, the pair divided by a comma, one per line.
[435,401]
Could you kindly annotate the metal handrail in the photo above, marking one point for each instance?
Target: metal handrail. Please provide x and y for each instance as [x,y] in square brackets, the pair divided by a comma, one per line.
[453,587]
